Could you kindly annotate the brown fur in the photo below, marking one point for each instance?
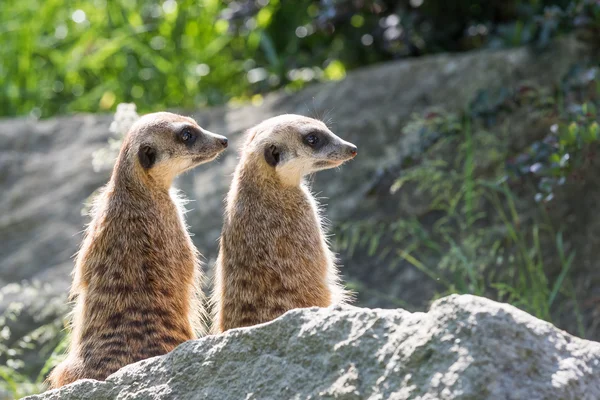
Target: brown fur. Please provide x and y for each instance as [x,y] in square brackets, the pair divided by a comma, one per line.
[274,254]
[136,274]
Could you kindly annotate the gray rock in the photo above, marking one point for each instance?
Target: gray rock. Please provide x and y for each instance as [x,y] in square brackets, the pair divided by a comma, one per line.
[465,347]
[45,176]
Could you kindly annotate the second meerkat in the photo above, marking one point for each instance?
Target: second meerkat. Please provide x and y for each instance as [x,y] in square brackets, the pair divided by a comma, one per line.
[273,253]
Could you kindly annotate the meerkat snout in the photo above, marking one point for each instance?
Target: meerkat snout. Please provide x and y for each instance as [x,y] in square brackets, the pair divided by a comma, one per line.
[352,149]
[347,152]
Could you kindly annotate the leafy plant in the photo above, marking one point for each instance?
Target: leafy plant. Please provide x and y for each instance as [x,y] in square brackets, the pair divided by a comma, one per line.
[568,146]
[90,55]
[479,240]
[27,357]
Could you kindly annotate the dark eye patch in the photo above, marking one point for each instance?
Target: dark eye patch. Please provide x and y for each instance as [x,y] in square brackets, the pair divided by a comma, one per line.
[315,139]
[187,135]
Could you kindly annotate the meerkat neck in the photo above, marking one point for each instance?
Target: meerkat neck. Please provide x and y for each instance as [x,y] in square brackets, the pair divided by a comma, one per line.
[258,184]
[129,175]
[253,169]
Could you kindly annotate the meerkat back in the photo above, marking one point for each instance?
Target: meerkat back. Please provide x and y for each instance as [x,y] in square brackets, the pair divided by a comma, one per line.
[136,274]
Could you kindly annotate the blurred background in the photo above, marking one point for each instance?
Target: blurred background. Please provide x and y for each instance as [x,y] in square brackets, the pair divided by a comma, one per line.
[92,55]
[476,123]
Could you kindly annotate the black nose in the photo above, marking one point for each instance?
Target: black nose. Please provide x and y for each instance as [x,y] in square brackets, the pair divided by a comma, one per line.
[224,142]
[353,150]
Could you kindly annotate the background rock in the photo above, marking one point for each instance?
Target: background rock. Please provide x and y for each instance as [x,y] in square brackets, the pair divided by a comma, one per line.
[465,347]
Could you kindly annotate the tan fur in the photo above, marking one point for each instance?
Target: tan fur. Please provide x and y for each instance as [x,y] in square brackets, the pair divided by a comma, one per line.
[137,273]
[274,255]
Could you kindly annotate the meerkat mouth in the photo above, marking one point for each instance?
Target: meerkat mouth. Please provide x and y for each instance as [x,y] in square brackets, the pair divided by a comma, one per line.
[203,159]
[329,163]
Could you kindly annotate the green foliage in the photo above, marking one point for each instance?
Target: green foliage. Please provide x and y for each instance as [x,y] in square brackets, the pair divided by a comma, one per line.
[528,287]
[476,257]
[15,384]
[479,242]
[89,55]
[47,342]
[570,144]
[429,128]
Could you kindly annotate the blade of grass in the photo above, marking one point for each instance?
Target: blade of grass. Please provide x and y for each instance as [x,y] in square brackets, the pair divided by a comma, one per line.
[561,277]
[469,167]
[421,267]
[566,266]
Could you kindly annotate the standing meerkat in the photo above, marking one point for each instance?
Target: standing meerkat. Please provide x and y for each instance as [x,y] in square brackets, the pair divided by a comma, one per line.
[136,274]
[273,253]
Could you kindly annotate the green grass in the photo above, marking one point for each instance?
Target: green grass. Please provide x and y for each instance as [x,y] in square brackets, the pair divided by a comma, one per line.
[115,51]
[481,242]
[15,378]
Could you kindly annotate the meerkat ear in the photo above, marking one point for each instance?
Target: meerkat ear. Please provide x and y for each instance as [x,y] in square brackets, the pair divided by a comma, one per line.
[272,155]
[147,156]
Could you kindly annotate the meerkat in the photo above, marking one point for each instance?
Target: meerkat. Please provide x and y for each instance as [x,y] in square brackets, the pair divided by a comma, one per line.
[274,254]
[136,273]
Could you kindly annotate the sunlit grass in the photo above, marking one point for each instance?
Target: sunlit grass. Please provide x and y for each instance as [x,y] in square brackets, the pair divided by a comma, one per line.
[59,57]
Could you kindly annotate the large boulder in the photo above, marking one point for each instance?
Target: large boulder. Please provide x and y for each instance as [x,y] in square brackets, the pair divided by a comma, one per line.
[465,347]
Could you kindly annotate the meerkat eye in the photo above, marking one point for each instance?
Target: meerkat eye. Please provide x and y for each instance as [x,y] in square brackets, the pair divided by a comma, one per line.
[186,135]
[312,140]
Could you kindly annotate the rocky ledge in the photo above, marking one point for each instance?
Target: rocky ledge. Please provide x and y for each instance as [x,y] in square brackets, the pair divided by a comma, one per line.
[465,347]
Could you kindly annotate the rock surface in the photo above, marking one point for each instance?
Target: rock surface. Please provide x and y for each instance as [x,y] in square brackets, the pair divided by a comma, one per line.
[465,347]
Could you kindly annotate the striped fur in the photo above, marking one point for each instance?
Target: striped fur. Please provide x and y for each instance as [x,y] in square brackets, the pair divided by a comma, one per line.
[274,254]
[137,274]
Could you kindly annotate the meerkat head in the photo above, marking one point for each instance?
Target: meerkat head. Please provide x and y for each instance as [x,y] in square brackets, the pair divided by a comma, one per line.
[166,144]
[294,146]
